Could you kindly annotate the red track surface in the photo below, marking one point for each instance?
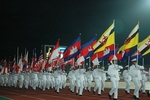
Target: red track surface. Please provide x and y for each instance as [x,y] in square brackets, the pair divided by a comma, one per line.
[65,94]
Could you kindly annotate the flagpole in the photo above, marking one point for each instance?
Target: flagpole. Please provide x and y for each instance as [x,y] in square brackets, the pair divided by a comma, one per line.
[89,62]
[137,46]
[143,61]
[114,39]
[17,54]
[128,60]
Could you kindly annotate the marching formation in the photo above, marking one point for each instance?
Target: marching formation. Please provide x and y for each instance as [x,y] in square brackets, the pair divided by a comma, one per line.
[80,79]
[50,72]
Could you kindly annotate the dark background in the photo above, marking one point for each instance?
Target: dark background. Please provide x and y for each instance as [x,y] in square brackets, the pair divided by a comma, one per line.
[32,23]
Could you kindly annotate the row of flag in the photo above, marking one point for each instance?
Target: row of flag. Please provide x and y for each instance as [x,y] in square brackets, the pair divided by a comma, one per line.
[95,50]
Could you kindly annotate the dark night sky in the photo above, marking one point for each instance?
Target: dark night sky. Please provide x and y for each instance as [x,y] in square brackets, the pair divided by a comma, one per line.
[32,23]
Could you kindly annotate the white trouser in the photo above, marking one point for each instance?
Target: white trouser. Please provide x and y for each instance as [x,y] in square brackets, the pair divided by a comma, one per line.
[128,82]
[143,86]
[137,86]
[103,84]
[97,86]
[72,81]
[114,88]
[89,82]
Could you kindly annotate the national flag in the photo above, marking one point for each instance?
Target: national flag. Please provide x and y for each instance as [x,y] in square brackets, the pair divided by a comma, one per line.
[40,61]
[25,61]
[55,52]
[86,50]
[143,48]
[104,37]
[34,60]
[72,50]
[132,39]
[94,59]
[20,63]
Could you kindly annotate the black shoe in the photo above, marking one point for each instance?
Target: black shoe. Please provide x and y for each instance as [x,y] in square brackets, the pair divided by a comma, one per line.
[57,92]
[144,92]
[71,91]
[134,96]
[93,92]
[80,95]
[76,93]
[126,92]
[137,99]
[102,90]
[115,99]
[148,94]
[89,91]
[109,96]
[99,94]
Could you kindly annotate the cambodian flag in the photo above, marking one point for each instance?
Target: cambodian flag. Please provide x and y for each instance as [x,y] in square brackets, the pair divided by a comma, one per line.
[72,50]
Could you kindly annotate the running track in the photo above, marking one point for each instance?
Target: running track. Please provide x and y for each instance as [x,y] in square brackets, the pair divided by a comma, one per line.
[65,94]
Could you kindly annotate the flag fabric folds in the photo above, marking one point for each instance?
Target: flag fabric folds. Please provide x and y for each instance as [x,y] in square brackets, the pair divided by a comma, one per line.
[55,52]
[85,51]
[132,39]
[101,41]
[143,48]
[72,50]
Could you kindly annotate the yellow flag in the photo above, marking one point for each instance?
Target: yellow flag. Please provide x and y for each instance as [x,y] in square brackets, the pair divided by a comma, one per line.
[103,38]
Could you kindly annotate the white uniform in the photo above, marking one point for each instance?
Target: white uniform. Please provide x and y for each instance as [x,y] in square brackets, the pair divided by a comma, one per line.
[72,78]
[127,79]
[44,81]
[48,80]
[80,77]
[97,80]
[103,76]
[64,78]
[57,80]
[26,80]
[34,80]
[135,73]
[89,77]
[20,79]
[143,81]
[113,72]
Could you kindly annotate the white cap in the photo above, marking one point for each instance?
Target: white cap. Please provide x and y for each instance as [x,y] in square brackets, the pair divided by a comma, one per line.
[133,59]
[126,66]
[49,68]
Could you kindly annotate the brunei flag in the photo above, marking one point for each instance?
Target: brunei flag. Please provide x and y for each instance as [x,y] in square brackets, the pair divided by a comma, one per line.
[132,39]
[102,40]
[108,50]
[143,48]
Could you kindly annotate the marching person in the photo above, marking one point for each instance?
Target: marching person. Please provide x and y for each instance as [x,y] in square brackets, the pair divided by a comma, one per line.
[89,78]
[97,80]
[135,73]
[148,92]
[104,78]
[20,79]
[127,79]
[57,79]
[80,77]
[113,72]
[143,81]
[72,79]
